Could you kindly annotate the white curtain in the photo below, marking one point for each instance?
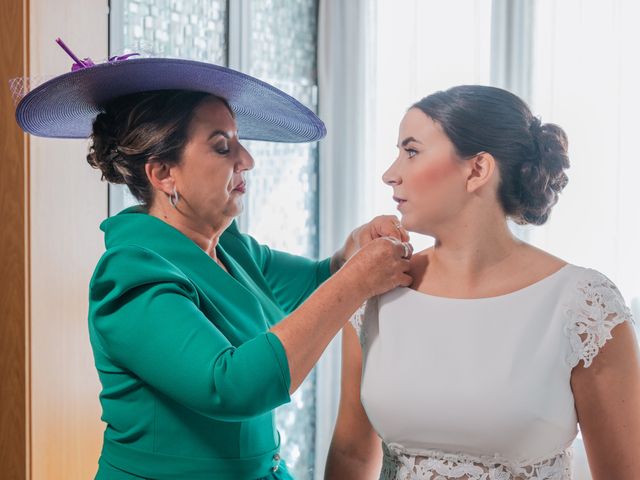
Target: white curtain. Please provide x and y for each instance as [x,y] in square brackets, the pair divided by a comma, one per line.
[588,83]
[346,95]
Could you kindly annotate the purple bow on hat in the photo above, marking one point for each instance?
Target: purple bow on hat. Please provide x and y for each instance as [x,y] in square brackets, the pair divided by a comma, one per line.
[87,62]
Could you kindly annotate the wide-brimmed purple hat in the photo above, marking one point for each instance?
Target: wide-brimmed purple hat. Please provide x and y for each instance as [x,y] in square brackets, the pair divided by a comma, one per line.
[66,106]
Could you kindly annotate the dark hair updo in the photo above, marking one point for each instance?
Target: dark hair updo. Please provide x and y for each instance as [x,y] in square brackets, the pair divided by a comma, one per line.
[531,155]
[134,128]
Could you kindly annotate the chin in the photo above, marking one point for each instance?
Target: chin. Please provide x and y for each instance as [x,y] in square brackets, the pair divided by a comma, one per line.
[419,226]
[408,223]
[236,207]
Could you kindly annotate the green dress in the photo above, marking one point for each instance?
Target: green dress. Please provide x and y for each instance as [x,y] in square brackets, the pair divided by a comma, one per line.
[190,374]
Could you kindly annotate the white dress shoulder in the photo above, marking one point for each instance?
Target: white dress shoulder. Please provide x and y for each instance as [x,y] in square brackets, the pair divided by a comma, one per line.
[479,389]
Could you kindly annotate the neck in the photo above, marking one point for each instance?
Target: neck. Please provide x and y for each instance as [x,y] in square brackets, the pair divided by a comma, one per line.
[205,235]
[470,247]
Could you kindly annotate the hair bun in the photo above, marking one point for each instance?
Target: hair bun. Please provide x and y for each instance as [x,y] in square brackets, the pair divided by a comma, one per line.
[103,153]
[543,177]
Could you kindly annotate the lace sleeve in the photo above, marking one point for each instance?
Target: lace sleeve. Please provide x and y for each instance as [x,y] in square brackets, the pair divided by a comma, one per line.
[596,309]
[358,318]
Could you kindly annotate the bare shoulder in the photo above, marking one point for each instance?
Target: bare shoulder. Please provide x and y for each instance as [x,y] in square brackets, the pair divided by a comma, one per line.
[528,258]
[525,266]
[529,263]
[536,261]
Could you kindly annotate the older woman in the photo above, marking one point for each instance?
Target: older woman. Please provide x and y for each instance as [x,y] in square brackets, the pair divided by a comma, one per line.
[198,331]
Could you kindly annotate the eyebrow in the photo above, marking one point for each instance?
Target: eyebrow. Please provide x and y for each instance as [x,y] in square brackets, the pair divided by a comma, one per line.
[408,140]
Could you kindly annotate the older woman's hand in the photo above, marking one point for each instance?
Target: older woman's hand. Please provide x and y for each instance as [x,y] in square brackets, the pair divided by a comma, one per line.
[379,266]
[381,226]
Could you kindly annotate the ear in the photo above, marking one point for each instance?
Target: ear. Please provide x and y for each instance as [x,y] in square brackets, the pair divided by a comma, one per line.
[481,169]
[160,176]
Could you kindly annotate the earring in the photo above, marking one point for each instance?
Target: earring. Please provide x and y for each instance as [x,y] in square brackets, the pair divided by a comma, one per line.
[174,197]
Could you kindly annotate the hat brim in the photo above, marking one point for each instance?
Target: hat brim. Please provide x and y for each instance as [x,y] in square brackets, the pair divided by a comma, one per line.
[66,106]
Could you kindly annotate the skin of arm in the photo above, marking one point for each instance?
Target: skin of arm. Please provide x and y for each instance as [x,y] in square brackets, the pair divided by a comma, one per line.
[355,450]
[607,398]
[305,333]
[309,329]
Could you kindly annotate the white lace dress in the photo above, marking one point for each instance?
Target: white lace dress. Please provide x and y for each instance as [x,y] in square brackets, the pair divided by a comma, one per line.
[479,389]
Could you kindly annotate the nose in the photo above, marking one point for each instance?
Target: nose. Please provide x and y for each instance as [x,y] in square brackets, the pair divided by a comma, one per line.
[245,160]
[391,177]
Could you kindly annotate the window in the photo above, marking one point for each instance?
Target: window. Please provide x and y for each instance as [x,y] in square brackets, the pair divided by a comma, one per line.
[282,200]
[274,40]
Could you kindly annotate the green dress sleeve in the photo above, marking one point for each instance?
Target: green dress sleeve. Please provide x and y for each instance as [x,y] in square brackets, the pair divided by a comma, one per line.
[292,278]
[144,317]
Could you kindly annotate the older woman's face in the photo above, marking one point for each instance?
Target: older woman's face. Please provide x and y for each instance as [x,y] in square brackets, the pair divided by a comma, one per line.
[210,177]
[428,178]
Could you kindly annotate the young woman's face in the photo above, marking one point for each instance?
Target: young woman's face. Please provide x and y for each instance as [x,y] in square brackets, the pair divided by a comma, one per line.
[210,177]
[428,177]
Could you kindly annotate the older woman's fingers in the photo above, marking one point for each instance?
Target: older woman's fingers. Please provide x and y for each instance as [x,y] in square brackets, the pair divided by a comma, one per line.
[404,235]
[407,250]
[389,226]
[404,249]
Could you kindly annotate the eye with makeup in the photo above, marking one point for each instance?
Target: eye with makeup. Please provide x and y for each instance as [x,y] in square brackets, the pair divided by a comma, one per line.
[405,145]
[221,148]
[411,152]
[219,141]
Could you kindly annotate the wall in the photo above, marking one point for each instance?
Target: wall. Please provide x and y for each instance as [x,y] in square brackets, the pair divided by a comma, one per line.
[67,203]
[52,203]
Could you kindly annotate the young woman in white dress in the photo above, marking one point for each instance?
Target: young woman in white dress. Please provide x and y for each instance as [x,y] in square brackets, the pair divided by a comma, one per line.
[485,366]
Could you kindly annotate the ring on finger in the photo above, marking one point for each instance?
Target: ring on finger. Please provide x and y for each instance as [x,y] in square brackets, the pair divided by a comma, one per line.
[407,250]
